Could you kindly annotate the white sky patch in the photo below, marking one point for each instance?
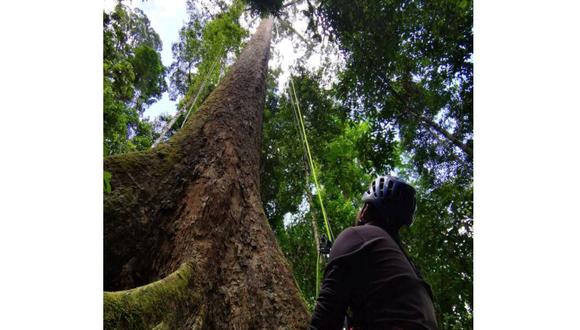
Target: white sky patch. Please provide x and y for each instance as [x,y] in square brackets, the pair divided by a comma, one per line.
[290,219]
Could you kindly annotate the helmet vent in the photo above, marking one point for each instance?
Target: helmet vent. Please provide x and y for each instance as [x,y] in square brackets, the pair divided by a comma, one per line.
[389,188]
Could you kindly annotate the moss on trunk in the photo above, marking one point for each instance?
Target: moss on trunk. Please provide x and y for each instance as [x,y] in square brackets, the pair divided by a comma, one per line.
[195,200]
[163,304]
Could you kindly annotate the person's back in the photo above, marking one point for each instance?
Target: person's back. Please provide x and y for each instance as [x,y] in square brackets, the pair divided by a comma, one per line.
[369,273]
[374,278]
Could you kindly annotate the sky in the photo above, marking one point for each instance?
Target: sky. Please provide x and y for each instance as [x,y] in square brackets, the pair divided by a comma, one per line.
[168,16]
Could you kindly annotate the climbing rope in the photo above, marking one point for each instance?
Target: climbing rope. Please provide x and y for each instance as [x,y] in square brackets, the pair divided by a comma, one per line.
[199,91]
[306,165]
[310,160]
[306,148]
[174,119]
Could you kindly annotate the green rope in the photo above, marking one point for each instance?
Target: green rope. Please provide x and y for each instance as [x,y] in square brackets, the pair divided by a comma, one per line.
[306,165]
[311,162]
[317,271]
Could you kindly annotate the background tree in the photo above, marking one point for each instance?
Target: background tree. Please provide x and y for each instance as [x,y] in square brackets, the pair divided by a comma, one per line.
[133,79]
[408,77]
[288,193]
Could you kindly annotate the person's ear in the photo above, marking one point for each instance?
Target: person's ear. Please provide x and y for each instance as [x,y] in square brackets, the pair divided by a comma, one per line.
[363,213]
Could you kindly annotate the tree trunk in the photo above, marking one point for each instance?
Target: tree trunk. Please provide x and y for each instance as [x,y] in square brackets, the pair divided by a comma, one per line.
[186,217]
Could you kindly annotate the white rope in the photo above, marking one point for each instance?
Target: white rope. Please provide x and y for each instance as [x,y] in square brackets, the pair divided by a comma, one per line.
[174,119]
[199,91]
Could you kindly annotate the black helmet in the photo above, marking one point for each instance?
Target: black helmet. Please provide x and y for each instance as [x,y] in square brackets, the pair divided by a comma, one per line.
[393,199]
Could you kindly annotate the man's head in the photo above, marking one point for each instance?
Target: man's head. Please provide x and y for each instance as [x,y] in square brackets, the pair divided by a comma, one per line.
[389,202]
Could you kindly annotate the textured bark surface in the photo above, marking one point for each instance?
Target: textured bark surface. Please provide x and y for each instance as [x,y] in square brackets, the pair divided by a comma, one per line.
[195,200]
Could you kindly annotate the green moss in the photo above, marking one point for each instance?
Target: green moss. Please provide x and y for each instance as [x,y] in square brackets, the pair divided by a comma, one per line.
[156,305]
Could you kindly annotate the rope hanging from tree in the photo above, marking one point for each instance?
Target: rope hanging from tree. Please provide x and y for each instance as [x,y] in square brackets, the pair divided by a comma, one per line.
[308,154]
[310,160]
[174,119]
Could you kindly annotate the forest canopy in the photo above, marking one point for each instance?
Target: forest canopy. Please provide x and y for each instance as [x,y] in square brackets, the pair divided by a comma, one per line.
[392,94]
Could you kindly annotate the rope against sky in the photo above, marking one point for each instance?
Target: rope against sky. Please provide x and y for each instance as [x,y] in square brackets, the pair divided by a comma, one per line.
[174,119]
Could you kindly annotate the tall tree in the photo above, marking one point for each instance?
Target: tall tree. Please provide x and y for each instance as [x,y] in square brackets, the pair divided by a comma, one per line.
[187,216]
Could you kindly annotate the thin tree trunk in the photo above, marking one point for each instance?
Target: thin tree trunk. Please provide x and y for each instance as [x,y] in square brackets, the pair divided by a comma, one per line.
[313,218]
[188,217]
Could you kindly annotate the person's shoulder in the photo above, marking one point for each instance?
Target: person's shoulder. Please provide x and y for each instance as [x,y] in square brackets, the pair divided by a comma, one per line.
[371,229]
[347,242]
[347,233]
[361,233]
[352,239]
[367,232]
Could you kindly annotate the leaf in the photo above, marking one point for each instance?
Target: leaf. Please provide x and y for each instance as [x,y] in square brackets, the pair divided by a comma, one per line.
[107,182]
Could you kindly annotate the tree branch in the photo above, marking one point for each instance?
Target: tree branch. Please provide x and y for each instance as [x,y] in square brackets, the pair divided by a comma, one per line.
[287,25]
[291,3]
[430,123]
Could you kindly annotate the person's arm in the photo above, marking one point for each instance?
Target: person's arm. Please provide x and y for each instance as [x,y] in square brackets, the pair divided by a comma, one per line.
[333,299]
[337,285]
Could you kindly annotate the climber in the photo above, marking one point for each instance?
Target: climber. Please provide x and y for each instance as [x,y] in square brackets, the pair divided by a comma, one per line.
[368,271]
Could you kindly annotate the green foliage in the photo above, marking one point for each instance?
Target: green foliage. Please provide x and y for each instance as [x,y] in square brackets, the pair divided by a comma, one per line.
[201,55]
[441,241]
[133,79]
[286,182]
[107,182]
[409,74]
[408,65]
[265,7]
[204,40]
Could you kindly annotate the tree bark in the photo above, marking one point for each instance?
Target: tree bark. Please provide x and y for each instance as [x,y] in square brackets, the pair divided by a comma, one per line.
[184,221]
